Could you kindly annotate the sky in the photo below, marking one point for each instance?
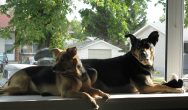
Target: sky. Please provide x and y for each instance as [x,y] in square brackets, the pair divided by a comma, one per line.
[2,1]
[153,15]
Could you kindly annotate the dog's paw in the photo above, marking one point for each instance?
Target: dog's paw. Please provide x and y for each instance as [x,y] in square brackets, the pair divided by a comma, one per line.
[97,93]
[96,107]
[94,103]
[106,96]
[180,90]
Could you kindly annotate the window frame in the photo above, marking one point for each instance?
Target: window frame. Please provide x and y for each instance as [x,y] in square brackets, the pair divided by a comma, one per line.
[174,64]
[174,44]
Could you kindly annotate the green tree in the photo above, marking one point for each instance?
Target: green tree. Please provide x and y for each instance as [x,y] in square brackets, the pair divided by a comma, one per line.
[41,21]
[111,19]
[186,14]
[76,30]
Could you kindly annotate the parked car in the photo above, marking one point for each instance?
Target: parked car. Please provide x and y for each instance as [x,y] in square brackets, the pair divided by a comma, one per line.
[42,57]
[3,61]
[10,69]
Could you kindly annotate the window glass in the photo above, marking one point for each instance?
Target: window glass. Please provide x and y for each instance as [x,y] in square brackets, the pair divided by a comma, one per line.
[185,55]
[143,21]
[154,13]
[106,38]
[9,48]
[157,21]
[185,40]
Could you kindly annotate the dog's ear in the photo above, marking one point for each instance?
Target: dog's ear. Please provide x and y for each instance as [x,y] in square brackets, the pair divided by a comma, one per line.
[153,37]
[132,38]
[72,51]
[56,51]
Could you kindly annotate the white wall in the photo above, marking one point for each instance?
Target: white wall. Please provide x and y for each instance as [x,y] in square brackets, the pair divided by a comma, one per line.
[2,45]
[83,53]
[11,57]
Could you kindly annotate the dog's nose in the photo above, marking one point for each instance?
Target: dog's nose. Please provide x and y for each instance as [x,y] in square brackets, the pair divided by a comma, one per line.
[144,54]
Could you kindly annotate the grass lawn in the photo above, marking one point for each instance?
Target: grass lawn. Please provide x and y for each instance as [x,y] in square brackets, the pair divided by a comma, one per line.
[158,79]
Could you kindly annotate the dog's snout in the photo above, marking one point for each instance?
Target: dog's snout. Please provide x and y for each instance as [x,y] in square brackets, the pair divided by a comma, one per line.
[82,70]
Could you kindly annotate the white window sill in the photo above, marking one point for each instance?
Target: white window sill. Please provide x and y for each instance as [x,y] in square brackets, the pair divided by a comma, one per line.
[116,102]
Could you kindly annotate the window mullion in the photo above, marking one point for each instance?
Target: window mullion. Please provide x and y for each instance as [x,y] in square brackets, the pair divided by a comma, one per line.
[174,41]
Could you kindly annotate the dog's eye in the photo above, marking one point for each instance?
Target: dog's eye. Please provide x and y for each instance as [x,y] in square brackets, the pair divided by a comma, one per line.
[78,66]
[147,46]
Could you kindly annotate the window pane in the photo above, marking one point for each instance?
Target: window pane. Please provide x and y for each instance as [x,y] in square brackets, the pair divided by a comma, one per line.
[106,39]
[185,40]
[9,48]
[156,22]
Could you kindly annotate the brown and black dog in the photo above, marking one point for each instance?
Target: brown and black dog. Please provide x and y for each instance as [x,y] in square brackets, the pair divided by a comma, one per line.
[67,78]
[130,73]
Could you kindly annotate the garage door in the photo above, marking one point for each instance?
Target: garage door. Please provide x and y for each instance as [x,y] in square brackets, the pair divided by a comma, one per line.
[99,53]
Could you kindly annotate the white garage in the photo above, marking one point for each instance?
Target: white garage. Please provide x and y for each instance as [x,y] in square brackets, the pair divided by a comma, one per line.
[99,53]
[97,49]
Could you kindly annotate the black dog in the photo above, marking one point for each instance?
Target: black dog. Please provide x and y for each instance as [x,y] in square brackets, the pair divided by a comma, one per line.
[130,73]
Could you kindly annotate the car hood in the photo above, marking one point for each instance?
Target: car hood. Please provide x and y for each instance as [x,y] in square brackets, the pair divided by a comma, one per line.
[17,66]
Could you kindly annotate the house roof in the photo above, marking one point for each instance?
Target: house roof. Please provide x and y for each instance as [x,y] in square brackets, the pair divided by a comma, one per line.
[87,43]
[157,25]
[4,20]
[161,27]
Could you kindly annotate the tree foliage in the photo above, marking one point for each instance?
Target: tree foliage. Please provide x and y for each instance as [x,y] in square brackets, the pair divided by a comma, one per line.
[39,21]
[76,30]
[186,14]
[111,19]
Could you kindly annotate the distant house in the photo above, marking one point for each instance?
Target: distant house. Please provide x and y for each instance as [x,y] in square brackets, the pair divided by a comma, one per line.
[159,62]
[6,44]
[185,38]
[4,20]
[160,47]
[97,49]
[87,49]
